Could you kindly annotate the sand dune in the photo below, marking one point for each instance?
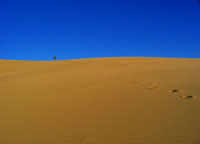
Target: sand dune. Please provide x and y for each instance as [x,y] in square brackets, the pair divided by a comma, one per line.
[100,101]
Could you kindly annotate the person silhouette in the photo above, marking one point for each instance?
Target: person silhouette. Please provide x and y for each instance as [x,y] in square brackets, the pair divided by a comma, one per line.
[54,57]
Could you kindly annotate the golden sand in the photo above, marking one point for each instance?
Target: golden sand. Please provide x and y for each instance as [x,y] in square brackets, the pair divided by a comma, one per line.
[100,101]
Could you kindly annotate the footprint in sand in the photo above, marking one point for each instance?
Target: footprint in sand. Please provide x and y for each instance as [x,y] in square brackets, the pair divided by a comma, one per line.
[85,140]
[174,90]
[151,86]
[188,97]
[135,81]
[177,91]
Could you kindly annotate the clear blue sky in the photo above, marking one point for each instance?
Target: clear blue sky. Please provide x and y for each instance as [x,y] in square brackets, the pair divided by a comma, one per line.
[72,29]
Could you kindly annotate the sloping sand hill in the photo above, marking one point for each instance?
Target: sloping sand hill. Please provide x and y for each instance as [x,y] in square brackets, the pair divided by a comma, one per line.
[100,101]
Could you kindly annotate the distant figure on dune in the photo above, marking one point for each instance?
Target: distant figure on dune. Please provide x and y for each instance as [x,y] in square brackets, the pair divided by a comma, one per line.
[55,57]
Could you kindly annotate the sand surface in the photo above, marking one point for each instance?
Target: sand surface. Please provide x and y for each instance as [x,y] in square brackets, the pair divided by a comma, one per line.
[100,101]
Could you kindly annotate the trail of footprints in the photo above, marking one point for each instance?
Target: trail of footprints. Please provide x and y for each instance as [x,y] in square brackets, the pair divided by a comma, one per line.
[182,94]
[153,86]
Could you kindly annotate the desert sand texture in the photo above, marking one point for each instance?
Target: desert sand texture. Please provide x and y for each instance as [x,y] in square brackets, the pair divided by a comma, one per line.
[100,101]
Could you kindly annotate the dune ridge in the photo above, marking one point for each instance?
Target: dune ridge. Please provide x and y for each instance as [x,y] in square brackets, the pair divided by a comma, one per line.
[100,101]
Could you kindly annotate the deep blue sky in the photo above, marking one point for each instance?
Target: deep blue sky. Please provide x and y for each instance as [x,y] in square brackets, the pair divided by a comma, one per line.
[72,29]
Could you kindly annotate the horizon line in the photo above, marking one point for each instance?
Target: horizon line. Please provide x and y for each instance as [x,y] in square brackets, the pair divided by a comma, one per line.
[99,58]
